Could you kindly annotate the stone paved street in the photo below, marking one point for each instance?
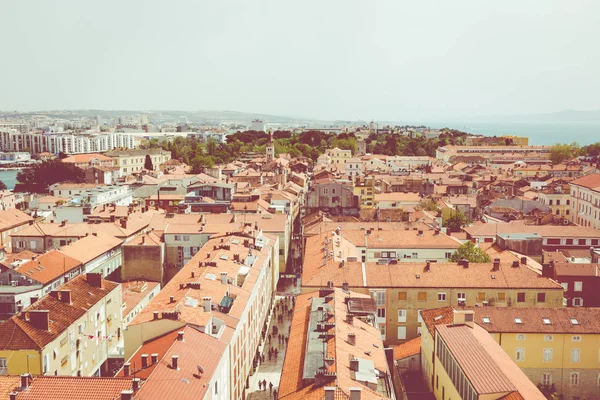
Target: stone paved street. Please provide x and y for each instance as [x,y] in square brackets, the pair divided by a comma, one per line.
[270,370]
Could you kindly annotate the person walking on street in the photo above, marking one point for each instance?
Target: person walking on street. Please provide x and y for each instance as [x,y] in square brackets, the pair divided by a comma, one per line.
[259,384]
[264,384]
[275,394]
[270,387]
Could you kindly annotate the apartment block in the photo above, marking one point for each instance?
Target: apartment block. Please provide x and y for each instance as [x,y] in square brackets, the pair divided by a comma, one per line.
[133,160]
[460,360]
[403,290]
[70,331]
[225,291]
[585,201]
[68,143]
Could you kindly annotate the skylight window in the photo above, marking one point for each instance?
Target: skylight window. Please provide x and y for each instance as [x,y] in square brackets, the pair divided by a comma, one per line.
[438,318]
[224,257]
[574,321]
[486,320]
[518,321]
[546,321]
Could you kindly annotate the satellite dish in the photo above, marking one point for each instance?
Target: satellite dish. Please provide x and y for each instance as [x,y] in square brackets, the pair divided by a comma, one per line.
[200,369]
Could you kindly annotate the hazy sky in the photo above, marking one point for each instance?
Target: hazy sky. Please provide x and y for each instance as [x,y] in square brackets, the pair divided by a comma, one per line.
[386,60]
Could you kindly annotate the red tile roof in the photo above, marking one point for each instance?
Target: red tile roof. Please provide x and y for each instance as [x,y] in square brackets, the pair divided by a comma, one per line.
[47,267]
[18,333]
[410,348]
[185,382]
[80,388]
[591,181]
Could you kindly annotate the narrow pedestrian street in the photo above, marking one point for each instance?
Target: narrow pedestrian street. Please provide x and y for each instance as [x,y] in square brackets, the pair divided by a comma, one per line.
[269,371]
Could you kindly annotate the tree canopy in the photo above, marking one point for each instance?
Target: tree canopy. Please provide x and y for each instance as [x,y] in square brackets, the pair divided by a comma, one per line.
[455,221]
[562,152]
[148,163]
[38,178]
[468,251]
[3,186]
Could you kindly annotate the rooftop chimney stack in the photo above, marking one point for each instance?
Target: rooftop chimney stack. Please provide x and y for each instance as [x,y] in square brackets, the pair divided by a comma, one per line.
[174,361]
[144,361]
[94,280]
[40,319]
[126,394]
[13,395]
[154,358]
[352,338]
[180,336]
[171,299]
[126,369]
[524,260]
[155,315]
[353,364]
[496,264]
[206,303]
[135,384]
[25,379]
[224,278]
[515,264]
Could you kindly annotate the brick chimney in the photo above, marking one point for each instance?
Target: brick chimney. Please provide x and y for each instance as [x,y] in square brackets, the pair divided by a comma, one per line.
[126,369]
[352,338]
[144,361]
[353,364]
[13,395]
[180,336]
[25,380]
[135,384]
[174,361]
[224,278]
[124,223]
[126,394]
[40,319]
[154,358]
[65,296]
[94,280]
[206,303]
[496,264]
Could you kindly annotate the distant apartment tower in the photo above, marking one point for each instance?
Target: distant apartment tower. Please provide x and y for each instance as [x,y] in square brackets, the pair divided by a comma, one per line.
[68,143]
[257,125]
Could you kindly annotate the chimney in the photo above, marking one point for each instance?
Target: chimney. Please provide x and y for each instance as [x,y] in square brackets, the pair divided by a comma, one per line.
[206,303]
[436,232]
[135,384]
[355,393]
[352,338]
[224,277]
[329,393]
[419,233]
[94,280]
[174,360]
[154,358]
[524,260]
[549,271]
[40,319]
[25,379]
[345,286]
[515,264]
[464,317]
[496,264]
[143,239]
[428,266]
[464,263]
[63,223]
[350,319]
[126,369]
[65,296]
[112,218]
[13,395]
[171,299]
[124,223]
[144,361]
[126,394]
[155,315]
[180,336]
[353,364]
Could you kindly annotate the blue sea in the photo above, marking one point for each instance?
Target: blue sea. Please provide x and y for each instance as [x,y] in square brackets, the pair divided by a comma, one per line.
[539,133]
[9,177]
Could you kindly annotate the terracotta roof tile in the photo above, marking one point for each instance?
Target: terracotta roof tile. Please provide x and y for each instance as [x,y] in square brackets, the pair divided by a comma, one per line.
[47,267]
[410,348]
[13,217]
[90,247]
[80,388]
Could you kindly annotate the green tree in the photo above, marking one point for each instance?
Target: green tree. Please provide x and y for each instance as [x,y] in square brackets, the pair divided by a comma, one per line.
[199,163]
[428,205]
[211,147]
[562,152]
[455,221]
[148,163]
[3,186]
[469,252]
[38,178]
